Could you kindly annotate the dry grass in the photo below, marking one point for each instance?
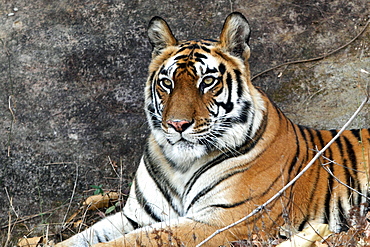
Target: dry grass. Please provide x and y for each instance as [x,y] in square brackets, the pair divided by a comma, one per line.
[357,235]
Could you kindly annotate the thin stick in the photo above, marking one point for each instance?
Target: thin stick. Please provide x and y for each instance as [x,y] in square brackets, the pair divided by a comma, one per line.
[8,55]
[9,227]
[73,193]
[315,58]
[23,219]
[11,202]
[278,194]
[339,181]
[112,165]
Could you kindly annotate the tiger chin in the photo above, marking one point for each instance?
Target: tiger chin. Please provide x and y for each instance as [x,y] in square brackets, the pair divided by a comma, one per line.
[219,147]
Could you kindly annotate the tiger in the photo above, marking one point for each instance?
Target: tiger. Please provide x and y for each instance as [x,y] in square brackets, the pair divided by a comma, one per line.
[219,147]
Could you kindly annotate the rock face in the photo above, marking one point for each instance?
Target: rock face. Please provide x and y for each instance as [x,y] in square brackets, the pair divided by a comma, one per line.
[72,75]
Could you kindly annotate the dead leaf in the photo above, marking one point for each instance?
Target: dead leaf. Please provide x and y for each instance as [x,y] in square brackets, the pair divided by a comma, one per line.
[29,242]
[319,244]
[73,216]
[308,236]
[100,201]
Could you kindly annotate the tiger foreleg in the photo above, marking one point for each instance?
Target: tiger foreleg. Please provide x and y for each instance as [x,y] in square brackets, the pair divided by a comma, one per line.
[111,227]
[186,233]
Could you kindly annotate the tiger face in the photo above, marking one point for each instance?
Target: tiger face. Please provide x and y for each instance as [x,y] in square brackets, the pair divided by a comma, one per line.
[199,98]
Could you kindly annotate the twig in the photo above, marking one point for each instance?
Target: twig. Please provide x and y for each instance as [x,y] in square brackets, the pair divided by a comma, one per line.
[11,93]
[112,165]
[315,58]
[31,217]
[11,208]
[278,194]
[11,123]
[338,180]
[9,227]
[73,193]
[10,201]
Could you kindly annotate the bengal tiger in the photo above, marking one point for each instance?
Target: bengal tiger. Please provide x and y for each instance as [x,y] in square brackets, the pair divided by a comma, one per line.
[219,147]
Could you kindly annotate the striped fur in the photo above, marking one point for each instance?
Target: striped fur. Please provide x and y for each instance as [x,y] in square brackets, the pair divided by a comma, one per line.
[219,147]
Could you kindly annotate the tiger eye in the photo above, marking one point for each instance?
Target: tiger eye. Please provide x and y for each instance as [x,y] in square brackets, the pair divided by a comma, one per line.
[167,82]
[208,80]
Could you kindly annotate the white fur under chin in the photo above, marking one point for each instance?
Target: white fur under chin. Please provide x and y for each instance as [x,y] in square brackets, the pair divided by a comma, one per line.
[184,153]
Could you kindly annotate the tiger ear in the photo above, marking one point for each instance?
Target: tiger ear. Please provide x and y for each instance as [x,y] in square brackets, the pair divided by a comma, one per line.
[235,35]
[160,35]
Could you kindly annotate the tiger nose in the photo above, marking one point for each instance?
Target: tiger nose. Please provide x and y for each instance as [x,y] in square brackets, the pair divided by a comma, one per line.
[179,125]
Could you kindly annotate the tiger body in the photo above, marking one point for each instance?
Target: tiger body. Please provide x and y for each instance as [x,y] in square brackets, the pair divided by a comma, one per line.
[219,147]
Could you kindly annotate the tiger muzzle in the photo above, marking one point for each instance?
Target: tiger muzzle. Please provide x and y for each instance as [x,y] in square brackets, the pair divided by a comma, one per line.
[179,125]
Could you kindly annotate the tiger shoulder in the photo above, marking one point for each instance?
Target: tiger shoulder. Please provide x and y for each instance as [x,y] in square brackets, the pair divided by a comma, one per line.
[219,147]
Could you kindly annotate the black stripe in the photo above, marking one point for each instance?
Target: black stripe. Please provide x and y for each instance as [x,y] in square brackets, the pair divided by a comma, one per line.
[239,81]
[181,57]
[303,224]
[350,152]
[347,173]
[162,70]
[222,68]
[205,49]
[153,94]
[199,60]
[102,240]
[303,133]
[231,205]
[152,77]
[356,133]
[155,121]
[259,214]
[132,222]
[319,136]
[186,47]
[209,71]
[353,160]
[281,115]
[317,173]
[245,113]
[160,179]
[208,40]
[200,55]
[295,159]
[328,195]
[186,43]
[306,145]
[243,116]
[222,55]
[228,106]
[342,219]
[144,204]
[212,186]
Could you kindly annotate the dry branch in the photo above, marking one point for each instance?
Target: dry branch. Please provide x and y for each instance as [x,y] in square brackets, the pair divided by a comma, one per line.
[315,58]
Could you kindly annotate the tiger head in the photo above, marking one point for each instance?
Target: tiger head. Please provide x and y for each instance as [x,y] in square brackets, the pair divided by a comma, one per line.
[199,97]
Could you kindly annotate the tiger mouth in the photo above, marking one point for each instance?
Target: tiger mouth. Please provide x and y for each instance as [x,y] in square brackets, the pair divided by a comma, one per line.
[181,140]
[193,142]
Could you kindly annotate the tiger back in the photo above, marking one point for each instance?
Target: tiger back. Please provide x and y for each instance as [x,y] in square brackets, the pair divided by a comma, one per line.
[219,147]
